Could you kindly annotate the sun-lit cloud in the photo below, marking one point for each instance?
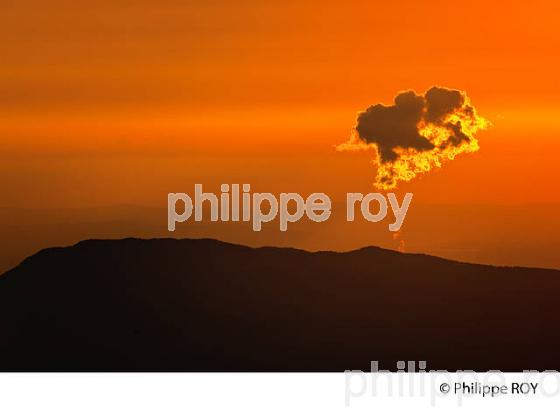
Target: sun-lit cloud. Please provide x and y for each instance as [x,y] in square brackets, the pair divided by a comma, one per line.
[417,133]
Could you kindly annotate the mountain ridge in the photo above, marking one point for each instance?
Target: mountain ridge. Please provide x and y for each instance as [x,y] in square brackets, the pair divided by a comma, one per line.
[206,305]
[217,241]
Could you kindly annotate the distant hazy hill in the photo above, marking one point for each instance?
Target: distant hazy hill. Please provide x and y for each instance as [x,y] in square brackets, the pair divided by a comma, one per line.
[204,305]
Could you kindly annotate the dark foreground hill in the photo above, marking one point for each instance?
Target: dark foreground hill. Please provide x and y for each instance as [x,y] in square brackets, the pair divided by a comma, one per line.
[204,305]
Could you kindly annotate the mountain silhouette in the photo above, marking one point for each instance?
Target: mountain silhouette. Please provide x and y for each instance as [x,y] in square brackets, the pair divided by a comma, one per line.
[205,305]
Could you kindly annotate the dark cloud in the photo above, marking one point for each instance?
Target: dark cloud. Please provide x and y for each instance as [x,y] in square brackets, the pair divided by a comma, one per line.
[417,133]
[389,127]
[440,102]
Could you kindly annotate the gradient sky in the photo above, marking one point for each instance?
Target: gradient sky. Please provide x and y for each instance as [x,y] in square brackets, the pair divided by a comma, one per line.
[119,102]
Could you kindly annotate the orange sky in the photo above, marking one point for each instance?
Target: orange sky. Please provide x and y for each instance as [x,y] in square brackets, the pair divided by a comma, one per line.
[121,102]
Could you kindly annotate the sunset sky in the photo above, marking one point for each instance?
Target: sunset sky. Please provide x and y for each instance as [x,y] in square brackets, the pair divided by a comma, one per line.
[117,103]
